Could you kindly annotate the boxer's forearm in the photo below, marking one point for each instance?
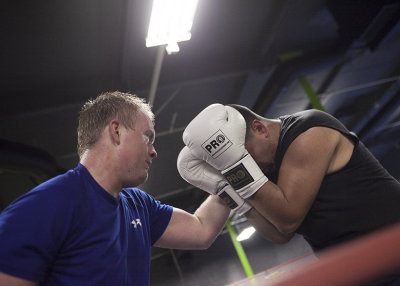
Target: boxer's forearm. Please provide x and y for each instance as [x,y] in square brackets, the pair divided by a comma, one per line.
[274,206]
[266,229]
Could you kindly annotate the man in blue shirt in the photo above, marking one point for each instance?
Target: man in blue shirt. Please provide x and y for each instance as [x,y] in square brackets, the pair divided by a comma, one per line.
[90,226]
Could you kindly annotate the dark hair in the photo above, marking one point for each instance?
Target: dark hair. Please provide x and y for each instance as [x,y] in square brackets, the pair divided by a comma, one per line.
[248,115]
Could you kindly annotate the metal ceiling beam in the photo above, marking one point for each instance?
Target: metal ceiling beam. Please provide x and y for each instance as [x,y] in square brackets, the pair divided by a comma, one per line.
[376,119]
[355,36]
[291,69]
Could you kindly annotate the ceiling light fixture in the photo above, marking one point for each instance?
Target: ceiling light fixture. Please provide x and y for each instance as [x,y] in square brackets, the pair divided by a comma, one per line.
[170,22]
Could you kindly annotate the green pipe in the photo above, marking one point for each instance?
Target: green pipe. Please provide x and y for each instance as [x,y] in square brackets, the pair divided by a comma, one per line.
[290,55]
[315,102]
[239,249]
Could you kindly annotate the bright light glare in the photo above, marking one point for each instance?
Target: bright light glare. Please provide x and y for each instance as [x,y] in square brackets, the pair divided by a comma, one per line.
[172,48]
[246,233]
[170,22]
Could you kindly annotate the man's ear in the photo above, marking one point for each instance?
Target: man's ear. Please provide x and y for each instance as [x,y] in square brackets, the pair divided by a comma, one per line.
[259,128]
[114,130]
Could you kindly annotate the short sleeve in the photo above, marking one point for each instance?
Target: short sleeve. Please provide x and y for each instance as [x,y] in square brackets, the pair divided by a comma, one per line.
[151,210]
[32,229]
[159,217]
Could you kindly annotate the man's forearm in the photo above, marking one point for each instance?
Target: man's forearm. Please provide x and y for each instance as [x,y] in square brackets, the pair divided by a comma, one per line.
[272,203]
[213,214]
[266,229]
[6,279]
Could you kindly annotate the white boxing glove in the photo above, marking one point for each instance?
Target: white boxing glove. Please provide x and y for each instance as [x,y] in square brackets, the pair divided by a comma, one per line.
[203,176]
[217,136]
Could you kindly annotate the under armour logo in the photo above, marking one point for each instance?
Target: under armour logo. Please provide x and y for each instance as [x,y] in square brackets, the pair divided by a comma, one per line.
[136,222]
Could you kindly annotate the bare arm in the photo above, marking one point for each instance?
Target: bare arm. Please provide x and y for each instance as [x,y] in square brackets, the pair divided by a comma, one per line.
[198,230]
[9,280]
[308,159]
[266,229]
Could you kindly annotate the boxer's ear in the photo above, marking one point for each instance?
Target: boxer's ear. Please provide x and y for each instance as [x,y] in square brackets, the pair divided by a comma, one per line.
[259,128]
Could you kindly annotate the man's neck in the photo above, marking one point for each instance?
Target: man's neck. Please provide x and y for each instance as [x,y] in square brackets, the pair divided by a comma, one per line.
[101,169]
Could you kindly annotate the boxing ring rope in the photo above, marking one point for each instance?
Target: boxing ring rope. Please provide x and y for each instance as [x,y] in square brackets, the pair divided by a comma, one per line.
[353,263]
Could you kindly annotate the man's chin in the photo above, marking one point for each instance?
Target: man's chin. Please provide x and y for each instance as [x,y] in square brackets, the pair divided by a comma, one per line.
[138,181]
[143,180]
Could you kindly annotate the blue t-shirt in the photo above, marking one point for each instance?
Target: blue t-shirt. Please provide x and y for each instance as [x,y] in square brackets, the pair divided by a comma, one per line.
[70,231]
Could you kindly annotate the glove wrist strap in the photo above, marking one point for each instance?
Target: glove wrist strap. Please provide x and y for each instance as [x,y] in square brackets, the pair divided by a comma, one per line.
[233,200]
[245,176]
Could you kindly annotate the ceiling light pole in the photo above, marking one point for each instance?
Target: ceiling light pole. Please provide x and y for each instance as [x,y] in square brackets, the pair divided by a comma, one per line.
[170,22]
[156,74]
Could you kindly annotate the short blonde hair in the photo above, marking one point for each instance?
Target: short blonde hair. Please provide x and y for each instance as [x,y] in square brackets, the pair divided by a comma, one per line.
[97,113]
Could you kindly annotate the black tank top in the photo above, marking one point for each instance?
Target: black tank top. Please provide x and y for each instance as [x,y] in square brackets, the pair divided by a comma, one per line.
[357,199]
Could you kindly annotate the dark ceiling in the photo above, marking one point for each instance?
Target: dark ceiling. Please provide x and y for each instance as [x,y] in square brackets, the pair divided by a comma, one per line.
[57,54]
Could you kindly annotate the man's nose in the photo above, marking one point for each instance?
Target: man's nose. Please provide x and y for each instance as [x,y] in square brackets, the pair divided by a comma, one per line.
[153,153]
